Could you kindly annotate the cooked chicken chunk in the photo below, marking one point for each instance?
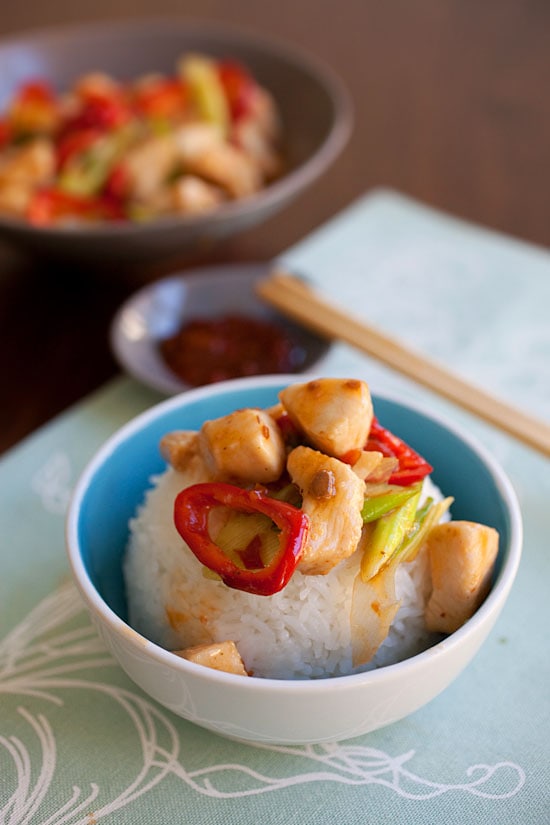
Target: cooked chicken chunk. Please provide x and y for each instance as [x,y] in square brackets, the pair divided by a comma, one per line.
[179,448]
[34,162]
[245,446]
[227,167]
[21,170]
[190,195]
[334,414]
[193,139]
[368,463]
[200,150]
[332,499]
[96,83]
[461,556]
[149,164]
[259,133]
[15,197]
[217,655]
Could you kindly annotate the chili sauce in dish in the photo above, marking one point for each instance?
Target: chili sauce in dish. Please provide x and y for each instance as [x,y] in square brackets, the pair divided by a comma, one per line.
[204,351]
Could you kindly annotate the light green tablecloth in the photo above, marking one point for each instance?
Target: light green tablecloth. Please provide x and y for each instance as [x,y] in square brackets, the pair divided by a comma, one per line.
[80,744]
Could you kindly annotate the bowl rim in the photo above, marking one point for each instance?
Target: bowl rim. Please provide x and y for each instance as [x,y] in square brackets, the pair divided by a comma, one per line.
[491,606]
[296,179]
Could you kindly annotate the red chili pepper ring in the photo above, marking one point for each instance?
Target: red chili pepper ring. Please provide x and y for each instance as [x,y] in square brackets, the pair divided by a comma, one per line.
[191,511]
[412,466]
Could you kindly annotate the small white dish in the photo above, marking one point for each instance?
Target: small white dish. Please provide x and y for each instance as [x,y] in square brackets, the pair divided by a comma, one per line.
[156,312]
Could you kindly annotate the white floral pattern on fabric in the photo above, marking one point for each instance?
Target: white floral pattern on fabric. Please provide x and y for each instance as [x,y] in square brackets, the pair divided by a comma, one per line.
[55,649]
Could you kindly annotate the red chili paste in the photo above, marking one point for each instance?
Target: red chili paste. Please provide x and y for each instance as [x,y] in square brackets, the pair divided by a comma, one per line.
[205,351]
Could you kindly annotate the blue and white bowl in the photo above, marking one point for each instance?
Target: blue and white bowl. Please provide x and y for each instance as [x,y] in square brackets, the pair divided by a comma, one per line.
[269,710]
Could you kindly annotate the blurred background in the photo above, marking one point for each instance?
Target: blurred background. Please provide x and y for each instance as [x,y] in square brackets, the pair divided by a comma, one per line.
[451,108]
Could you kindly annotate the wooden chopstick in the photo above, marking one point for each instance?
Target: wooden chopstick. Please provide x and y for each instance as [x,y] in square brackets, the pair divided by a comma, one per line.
[294,298]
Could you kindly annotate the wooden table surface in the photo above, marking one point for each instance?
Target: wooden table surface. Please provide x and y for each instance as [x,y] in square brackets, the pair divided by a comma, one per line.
[451,106]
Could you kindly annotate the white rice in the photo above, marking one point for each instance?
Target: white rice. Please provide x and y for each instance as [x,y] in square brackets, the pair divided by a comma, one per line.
[299,633]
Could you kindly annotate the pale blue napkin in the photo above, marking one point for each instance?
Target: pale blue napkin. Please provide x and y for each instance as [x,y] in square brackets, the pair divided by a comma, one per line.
[80,744]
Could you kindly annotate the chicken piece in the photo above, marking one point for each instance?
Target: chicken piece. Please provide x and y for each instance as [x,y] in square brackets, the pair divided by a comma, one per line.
[193,139]
[332,499]
[255,146]
[179,448]
[334,414]
[33,163]
[217,655]
[204,153]
[245,445]
[276,410]
[190,195]
[265,114]
[32,115]
[367,464]
[22,170]
[149,164]
[227,167]
[15,197]
[258,134]
[96,84]
[461,556]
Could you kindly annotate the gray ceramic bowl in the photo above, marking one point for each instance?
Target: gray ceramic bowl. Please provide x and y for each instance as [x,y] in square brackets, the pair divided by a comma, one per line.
[156,311]
[314,106]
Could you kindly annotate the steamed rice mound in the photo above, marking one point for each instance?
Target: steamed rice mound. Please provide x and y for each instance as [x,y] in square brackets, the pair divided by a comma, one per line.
[301,632]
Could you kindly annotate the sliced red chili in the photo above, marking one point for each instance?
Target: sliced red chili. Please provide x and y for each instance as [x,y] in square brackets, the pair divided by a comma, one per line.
[33,110]
[5,133]
[164,98]
[239,87]
[291,435]
[49,205]
[74,143]
[351,457]
[192,508]
[37,91]
[117,183]
[103,112]
[412,467]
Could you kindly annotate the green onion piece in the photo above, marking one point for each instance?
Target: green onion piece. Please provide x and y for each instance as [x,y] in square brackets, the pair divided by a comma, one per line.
[422,512]
[86,173]
[389,532]
[426,518]
[206,90]
[376,506]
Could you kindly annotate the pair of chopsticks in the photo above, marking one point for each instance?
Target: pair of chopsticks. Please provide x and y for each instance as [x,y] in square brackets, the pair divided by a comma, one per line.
[294,298]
